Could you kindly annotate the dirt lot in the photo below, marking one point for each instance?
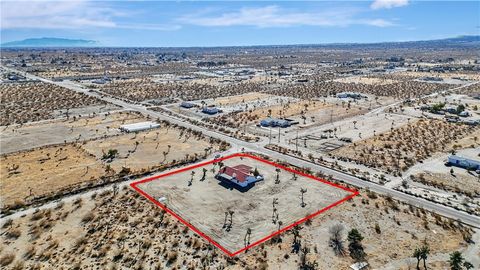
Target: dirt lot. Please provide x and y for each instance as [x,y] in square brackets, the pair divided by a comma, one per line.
[403,147]
[285,110]
[38,134]
[223,101]
[155,147]
[33,173]
[434,172]
[46,170]
[366,80]
[108,231]
[252,209]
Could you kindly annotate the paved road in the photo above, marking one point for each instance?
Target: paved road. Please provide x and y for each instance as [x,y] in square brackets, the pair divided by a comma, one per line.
[238,145]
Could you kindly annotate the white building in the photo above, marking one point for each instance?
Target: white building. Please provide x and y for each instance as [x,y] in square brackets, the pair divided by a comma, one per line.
[135,127]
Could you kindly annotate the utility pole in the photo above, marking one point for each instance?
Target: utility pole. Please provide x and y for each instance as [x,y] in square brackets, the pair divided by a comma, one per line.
[270,137]
[278,135]
[296,142]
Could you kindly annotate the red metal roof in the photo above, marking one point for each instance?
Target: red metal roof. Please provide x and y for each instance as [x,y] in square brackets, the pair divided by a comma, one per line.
[240,172]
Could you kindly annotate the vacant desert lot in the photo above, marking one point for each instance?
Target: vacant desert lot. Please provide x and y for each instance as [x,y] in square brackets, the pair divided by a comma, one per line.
[17,138]
[34,101]
[434,172]
[47,170]
[204,202]
[109,231]
[403,147]
[223,101]
[366,80]
[42,171]
[149,148]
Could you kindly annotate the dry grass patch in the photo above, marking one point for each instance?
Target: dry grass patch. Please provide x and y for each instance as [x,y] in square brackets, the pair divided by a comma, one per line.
[26,175]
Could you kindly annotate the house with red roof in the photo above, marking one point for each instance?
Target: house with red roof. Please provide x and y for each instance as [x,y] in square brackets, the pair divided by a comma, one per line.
[241,175]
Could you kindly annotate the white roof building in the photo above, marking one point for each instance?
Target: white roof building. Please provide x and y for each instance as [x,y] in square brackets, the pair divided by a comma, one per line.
[135,127]
[359,266]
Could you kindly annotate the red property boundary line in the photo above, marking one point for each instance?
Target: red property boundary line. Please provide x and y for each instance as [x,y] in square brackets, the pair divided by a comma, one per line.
[232,254]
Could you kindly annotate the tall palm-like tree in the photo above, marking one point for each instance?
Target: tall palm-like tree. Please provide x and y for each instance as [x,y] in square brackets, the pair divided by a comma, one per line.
[456,260]
[277,179]
[204,174]
[303,191]
[425,251]
[417,254]
[191,178]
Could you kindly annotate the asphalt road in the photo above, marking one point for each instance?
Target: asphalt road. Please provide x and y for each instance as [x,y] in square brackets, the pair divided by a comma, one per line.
[238,145]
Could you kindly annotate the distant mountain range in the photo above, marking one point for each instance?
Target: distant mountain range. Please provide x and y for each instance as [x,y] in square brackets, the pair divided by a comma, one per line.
[463,41]
[50,42]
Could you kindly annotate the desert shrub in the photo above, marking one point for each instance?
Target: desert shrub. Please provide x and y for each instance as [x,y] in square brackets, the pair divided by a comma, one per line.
[7,259]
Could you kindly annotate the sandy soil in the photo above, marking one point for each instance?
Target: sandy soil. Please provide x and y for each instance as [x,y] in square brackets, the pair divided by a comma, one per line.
[126,231]
[38,134]
[49,169]
[26,102]
[240,98]
[365,80]
[204,202]
[44,170]
[403,147]
[155,147]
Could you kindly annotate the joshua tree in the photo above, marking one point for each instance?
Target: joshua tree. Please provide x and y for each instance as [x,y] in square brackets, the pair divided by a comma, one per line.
[191,178]
[204,174]
[303,191]
[225,221]
[425,251]
[336,241]
[274,209]
[277,179]
[229,226]
[468,265]
[417,254]
[115,190]
[246,239]
[296,235]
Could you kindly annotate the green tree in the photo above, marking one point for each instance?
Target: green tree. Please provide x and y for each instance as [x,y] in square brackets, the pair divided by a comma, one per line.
[456,260]
[417,254]
[355,245]
[468,265]
[424,252]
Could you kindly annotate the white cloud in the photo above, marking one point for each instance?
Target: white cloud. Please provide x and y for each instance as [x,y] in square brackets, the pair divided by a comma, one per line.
[273,16]
[54,15]
[381,4]
[78,14]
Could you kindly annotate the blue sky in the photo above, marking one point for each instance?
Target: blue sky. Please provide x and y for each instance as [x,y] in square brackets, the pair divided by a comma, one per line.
[230,23]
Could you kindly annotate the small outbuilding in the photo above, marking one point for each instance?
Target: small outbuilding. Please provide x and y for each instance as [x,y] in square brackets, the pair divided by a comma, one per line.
[135,127]
[210,110]
[464,163]
[187,105]
[359,266]
[272,122]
